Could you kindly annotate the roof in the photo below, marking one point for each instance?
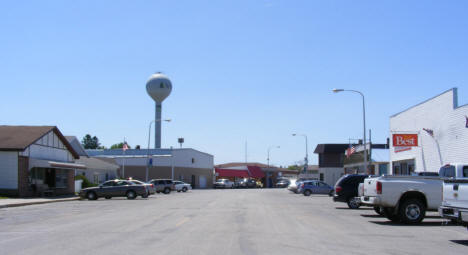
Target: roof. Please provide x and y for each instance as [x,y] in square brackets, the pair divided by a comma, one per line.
[455,101]
[77,145]
[18,138]
[331,148]
[244,164]
[251,171]
[96,163]
[138,152]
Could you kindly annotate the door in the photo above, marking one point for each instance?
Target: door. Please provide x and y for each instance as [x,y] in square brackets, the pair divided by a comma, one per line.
[323,188]
[193,181]
[202,181]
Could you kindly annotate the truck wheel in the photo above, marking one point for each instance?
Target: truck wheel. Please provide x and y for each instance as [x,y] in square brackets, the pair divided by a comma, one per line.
[184,189]
[354,203]
[167,190]
[307,193]
[388,213]
[378,210]
[412,211]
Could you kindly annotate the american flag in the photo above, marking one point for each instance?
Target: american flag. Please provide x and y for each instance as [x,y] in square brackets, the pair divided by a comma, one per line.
[350,151]
[429,131]
[125,146]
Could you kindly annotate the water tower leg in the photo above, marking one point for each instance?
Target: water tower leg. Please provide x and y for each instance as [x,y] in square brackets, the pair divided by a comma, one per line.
[157,126]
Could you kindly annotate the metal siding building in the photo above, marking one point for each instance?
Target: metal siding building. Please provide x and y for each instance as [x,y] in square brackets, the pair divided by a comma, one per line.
[191,166]
[449,124]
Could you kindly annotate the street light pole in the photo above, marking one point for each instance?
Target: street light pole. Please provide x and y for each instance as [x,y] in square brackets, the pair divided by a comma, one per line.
[268,158]
[306,159]
[363,120]
[148,151]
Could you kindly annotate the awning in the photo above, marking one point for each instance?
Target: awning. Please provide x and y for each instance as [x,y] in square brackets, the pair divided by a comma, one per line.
[66,165]
[232,173]
[53,164]
[256,172]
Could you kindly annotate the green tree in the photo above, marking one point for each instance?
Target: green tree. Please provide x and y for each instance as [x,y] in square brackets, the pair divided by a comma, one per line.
[294,167]
[119,146]
[90,143]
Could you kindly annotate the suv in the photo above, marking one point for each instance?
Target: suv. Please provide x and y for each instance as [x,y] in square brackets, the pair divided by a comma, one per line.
[315,187]
[346,189]
[163,185]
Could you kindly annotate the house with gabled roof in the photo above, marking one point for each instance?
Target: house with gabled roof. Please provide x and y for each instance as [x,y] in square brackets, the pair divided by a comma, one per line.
[36,161]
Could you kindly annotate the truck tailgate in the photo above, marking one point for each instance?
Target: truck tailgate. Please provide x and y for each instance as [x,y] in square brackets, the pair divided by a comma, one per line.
[456,193]
[370,187]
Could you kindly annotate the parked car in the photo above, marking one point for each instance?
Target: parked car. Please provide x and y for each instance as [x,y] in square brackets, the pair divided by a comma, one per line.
[115,188]
[346,190]
[407,198]
[283,183]
[247,183]
[315,187]
[223,183]
[149,186]
[293,186]
[182,186]
[163,185]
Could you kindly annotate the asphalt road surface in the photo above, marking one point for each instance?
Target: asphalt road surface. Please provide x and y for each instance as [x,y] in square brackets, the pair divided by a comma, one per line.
[269,221]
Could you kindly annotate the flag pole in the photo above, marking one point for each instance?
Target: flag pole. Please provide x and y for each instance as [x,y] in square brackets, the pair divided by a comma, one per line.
[123,162]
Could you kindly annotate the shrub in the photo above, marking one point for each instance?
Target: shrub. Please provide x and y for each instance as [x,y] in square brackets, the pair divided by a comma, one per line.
[86,183]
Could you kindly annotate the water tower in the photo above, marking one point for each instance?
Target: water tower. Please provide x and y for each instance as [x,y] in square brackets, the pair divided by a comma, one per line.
[158,87]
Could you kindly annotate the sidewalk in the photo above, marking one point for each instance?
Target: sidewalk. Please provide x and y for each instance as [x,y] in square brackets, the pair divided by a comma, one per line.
[14,202]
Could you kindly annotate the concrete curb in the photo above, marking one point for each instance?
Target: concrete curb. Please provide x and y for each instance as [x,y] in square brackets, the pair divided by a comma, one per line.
[39,202]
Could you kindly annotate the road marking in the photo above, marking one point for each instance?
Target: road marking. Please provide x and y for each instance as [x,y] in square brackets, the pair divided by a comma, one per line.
[184,220]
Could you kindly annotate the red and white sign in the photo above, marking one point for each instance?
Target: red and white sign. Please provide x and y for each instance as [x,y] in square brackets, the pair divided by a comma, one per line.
[405,140]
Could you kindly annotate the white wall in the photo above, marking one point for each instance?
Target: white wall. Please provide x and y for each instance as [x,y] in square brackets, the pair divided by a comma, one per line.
[182,158]
[331,174]
[442,115]
[49,147]
[8,170]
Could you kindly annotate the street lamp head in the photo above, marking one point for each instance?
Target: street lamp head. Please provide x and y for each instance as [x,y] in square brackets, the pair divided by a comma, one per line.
[337,90]
[294,134]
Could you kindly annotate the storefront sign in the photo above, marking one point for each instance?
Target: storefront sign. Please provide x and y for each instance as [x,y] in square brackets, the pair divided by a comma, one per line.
[405,140]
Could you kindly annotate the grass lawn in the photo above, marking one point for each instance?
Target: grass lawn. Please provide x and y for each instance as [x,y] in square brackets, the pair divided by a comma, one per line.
[3,197]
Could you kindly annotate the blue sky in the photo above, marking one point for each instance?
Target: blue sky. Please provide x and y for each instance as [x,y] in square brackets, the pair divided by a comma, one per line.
[254,71]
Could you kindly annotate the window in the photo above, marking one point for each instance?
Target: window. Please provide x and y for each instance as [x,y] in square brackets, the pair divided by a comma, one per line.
[61,178]
[447,171]
[465,171]
[321,176]
[108,184]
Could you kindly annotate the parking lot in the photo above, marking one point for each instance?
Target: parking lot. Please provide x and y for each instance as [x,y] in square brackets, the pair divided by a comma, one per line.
[248,221]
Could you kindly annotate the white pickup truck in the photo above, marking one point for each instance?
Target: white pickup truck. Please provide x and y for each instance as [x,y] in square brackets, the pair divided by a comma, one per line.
[407,198]
[455,197]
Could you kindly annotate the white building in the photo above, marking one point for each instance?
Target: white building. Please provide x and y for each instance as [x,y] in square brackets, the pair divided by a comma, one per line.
[442,129]
[188,165]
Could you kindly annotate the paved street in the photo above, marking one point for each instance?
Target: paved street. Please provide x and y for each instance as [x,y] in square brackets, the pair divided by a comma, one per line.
[218,222]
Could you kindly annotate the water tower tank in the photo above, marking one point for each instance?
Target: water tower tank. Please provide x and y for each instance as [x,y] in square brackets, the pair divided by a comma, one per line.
[158,87]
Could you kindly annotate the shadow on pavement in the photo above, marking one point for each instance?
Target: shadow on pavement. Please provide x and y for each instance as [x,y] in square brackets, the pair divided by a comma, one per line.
[422,224]
[462,242]
[372,216]
[347,208]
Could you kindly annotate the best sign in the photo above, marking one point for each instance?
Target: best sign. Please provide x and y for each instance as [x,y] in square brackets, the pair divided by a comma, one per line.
[405,140]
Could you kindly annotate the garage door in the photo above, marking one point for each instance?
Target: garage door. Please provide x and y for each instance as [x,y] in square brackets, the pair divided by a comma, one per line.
[202,181]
